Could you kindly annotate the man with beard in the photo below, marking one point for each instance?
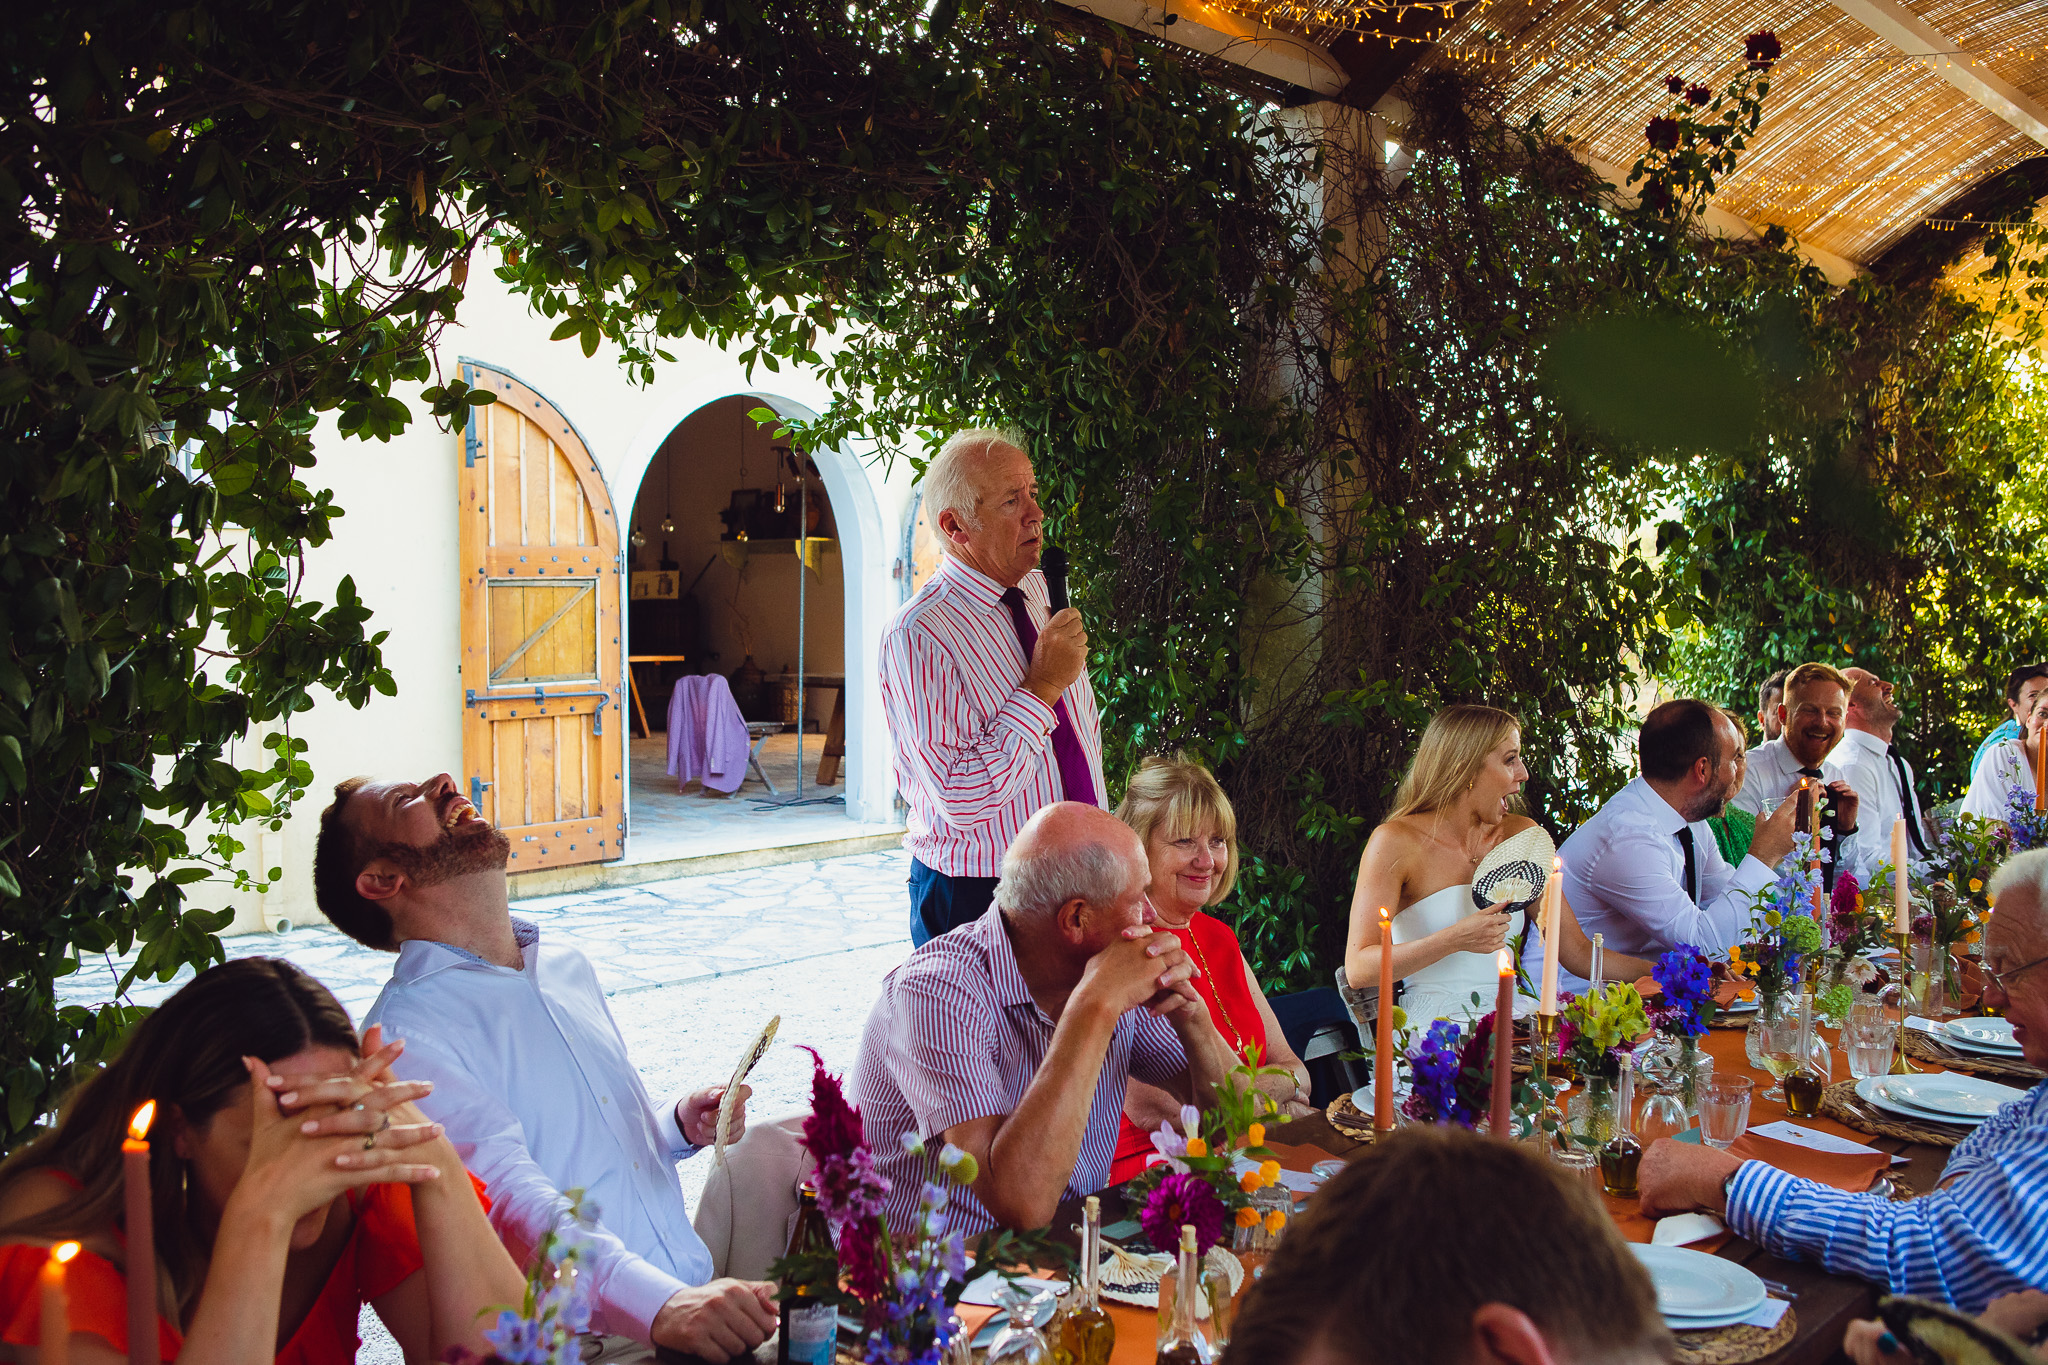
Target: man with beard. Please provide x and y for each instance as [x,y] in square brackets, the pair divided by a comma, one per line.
[530,1075]
[1644,870]
[1814,714]
[1767,698]
[1873,765]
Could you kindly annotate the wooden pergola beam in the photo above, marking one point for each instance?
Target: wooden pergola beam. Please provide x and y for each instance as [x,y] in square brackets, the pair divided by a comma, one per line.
[1912,35]
[1271,52]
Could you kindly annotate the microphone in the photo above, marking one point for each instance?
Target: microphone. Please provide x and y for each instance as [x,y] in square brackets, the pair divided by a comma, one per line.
[1052,561]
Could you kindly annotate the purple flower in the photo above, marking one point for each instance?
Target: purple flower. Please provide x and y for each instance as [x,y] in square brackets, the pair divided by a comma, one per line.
[1183,1200]
[1436,1063]
[1687,981]
[834,1127]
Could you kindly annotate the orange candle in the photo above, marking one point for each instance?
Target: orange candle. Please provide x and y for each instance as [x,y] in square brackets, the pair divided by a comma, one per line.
[1553,897]
[1901,898]
[56,1324]
[1383,1052]
[1503,1046]
[2041,771]
[141,1229]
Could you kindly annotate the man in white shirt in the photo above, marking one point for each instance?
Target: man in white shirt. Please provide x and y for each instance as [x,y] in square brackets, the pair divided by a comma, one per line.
[530,1075]
[1814,714]
[1645,871]
[1873,765]
[1767,698]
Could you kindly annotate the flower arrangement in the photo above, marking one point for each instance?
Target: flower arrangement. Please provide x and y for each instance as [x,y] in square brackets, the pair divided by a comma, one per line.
[2025,827]
[1782,929]
[1194,1182]
[1685,978]
[1597,1025]
[548,1325]
[900,1295]
[1856,924]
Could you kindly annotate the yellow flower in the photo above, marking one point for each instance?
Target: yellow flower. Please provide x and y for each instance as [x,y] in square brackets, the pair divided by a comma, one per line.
[1270,1172]
[1247,1217]
[1275,1221]
[1250,1183]
[1773,918]
[1976,883]
[1255,1136]
[1197,1147]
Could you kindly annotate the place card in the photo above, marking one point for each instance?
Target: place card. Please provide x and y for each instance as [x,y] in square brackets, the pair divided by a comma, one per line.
[1768,1313]
[1813,1139]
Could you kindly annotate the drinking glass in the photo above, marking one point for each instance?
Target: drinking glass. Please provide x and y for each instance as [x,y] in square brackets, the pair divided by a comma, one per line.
[1021,1342]
[1868,1040]
[1580,1164]
[1662,1116]
[1778,1050]
[1724,1110]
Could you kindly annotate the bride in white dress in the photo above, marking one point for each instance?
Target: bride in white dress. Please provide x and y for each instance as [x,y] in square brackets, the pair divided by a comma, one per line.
[1454,807]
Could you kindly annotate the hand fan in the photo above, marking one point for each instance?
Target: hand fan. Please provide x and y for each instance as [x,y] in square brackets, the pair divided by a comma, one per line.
[731,1098]
[1514,870]
[1936,1335]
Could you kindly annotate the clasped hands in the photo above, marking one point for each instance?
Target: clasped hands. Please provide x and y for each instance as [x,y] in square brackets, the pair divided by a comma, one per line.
[1145,967]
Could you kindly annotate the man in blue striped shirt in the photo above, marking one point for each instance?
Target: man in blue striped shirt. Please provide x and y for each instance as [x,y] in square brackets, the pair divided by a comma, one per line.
[1984,1232]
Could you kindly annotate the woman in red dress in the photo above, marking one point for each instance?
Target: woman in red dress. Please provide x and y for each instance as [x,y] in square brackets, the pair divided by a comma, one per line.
[292,1180]
[1190,835]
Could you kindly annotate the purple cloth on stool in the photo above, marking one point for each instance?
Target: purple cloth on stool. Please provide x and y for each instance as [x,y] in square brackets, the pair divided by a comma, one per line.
[707,735]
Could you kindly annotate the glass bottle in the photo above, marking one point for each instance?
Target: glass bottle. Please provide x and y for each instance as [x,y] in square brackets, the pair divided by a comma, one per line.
[1803,1087]
[810,1330]
[1182,1343]
[1086,1332]
[1021,1342]
[1622,1153]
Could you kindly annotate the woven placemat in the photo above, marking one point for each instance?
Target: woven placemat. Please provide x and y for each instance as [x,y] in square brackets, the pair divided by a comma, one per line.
[1926,1049]
[1841,1103]
[1348,1119]
[1734,1345]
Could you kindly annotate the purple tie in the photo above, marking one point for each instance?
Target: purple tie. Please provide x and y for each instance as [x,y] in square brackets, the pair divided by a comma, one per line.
[1075,779]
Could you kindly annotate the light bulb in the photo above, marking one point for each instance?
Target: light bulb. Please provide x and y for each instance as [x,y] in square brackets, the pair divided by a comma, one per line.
[668,525]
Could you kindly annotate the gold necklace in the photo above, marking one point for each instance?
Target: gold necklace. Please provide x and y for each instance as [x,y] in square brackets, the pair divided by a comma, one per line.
[1202,961]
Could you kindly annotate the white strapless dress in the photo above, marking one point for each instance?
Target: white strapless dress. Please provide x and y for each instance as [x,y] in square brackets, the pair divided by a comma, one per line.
[1443,989]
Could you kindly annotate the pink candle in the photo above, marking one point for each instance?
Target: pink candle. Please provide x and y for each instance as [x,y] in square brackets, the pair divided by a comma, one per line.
[1503,1047]
[56,1324]
[1901,898]
[1383,1052]
[142,1338]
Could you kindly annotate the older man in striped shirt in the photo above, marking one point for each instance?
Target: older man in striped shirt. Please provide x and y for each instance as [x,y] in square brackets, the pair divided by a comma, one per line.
[985,687]
[1984,1232]
[1014,1037]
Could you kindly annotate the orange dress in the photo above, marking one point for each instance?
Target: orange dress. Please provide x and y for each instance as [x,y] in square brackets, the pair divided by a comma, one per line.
[382,1250]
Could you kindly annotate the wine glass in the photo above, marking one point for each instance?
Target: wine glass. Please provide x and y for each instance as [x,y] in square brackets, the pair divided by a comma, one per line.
[1778,1051]
[1020,1342]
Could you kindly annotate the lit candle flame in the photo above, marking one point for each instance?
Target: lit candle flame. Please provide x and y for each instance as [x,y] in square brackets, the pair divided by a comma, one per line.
[138,1127]
[1507,964]
[63,1252]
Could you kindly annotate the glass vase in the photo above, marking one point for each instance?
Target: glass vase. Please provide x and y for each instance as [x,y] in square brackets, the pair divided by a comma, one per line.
[1770,1011]
[1589,1113]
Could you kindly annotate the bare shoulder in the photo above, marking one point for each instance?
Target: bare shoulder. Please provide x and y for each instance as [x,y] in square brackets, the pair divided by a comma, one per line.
[34,1191]
[1513,825]
[1396,839]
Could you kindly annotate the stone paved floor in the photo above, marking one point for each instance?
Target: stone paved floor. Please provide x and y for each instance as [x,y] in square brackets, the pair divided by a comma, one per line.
[663,823]
[693,968]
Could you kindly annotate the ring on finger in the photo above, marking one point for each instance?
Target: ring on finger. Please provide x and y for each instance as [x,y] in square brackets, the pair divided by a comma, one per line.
[370,1140]
[386,1124]
[359,1106]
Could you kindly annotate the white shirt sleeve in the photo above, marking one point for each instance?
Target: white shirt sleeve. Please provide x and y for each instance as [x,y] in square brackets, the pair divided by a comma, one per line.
[1994,780]
[1636,882]
[626,1290]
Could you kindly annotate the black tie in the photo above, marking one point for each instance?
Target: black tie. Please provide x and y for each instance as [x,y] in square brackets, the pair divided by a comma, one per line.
[1827,832]
[1909,805]
[1692,880]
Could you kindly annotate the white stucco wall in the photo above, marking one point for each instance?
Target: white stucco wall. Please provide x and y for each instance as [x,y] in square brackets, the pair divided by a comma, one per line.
[398,541]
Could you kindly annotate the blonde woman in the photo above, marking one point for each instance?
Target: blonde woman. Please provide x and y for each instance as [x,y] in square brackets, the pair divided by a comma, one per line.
[1455,805]
[1190,835]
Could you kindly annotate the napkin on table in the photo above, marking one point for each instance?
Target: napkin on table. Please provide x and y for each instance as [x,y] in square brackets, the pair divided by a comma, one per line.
[1852,1171]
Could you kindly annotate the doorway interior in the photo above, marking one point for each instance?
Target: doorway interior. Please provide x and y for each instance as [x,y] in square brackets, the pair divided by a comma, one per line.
[734,567]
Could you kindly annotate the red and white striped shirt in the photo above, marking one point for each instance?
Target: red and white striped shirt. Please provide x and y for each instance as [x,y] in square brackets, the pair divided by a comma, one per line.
[973,749]
[955,1037]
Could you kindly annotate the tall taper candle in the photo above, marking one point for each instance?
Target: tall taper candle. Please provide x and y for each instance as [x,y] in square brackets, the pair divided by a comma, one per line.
[141,1229]
[56,1323]
[1553,896]
[1902,909]
[1503,1047]
[2040,770]
[1383,1044]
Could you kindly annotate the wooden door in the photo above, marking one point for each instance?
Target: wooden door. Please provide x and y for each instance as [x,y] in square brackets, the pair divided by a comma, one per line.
[543,733]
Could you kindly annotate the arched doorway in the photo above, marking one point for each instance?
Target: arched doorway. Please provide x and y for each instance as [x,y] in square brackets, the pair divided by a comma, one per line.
[867,583]
[735,569]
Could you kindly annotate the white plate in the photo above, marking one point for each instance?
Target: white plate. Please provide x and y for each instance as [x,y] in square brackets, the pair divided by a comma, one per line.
[1695,1290]
[1740,1007]
[1950,1094]
[1984,1049]
[1981,1033]
[1871,1090]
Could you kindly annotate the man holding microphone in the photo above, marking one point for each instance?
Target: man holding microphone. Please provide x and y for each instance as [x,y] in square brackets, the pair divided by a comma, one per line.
[991,715]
